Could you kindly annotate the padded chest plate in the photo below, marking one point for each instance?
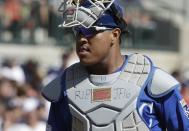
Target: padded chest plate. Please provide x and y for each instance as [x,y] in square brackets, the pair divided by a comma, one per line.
[107,107]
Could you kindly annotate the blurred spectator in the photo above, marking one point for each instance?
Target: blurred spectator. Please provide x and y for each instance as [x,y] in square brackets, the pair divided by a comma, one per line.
[1,16]
[177,75]
[183,78]
[68,58]
[31,91]
[21,106]
[44,14]
[11,70]
[54,20]
[28,21]
[8,118]
[13,16]
[12,116]
[41,111]
[2,109]
[32,22]
[185,91]
[31,71]
[8,90]
[31,113]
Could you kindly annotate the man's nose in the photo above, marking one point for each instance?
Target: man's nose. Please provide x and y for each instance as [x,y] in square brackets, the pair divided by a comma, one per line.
[82,39]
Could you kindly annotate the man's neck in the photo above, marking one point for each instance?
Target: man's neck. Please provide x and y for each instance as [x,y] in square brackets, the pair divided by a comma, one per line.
[108,66]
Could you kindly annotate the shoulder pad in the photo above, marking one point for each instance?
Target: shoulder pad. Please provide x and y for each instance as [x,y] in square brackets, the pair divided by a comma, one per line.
[52,91]
[162,83]
[75,74]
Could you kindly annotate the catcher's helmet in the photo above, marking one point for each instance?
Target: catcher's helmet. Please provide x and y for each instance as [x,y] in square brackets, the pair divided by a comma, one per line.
[82,12]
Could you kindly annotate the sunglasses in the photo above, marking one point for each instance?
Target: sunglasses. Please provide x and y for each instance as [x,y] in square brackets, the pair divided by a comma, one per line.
[89,32]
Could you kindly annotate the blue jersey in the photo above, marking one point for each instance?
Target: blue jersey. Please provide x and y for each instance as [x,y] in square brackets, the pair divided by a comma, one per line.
[166,111]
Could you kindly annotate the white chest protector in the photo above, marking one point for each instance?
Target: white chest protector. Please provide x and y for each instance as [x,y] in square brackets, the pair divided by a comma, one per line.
[107,102]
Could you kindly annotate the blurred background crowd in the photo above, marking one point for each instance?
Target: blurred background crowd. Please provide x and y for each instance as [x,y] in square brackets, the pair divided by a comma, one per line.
[33,51]
[22,107]
[29,21]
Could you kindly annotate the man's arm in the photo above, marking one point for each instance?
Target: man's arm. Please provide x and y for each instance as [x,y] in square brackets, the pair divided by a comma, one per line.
[176,112]
[161,105]
[59,117]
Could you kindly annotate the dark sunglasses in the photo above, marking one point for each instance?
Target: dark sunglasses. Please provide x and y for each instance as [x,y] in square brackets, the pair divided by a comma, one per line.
[89,32]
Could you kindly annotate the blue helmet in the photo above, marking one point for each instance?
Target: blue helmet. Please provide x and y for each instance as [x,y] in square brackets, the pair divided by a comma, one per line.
[112,18]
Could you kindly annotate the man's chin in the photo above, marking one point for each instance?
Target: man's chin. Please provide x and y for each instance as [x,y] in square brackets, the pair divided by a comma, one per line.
[86,62]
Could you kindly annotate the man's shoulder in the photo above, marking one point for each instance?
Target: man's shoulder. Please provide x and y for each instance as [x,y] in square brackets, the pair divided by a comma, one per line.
[161,83]
[55,89]
[74,72]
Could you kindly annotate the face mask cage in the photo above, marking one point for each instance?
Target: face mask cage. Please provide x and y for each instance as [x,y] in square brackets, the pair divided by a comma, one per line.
[82,12]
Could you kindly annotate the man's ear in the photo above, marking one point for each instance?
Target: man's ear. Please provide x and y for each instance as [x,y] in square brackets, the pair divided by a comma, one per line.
[116,35]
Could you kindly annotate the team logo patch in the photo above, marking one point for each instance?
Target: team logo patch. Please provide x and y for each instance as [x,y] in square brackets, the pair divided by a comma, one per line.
[185,107]
[146,107]
[102,94]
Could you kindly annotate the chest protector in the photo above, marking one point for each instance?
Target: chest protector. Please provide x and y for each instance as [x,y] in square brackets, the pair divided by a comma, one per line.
[109,105]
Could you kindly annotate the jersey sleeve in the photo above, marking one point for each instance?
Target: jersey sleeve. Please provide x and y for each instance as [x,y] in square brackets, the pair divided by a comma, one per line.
[161,105]
[170,112]
[59,117]
[176,112]
[150,112]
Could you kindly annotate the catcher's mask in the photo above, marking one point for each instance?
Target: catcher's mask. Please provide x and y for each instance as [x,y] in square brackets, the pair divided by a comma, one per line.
[82,12]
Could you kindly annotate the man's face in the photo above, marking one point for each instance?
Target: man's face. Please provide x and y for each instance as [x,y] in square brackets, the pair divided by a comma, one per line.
[94,49]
